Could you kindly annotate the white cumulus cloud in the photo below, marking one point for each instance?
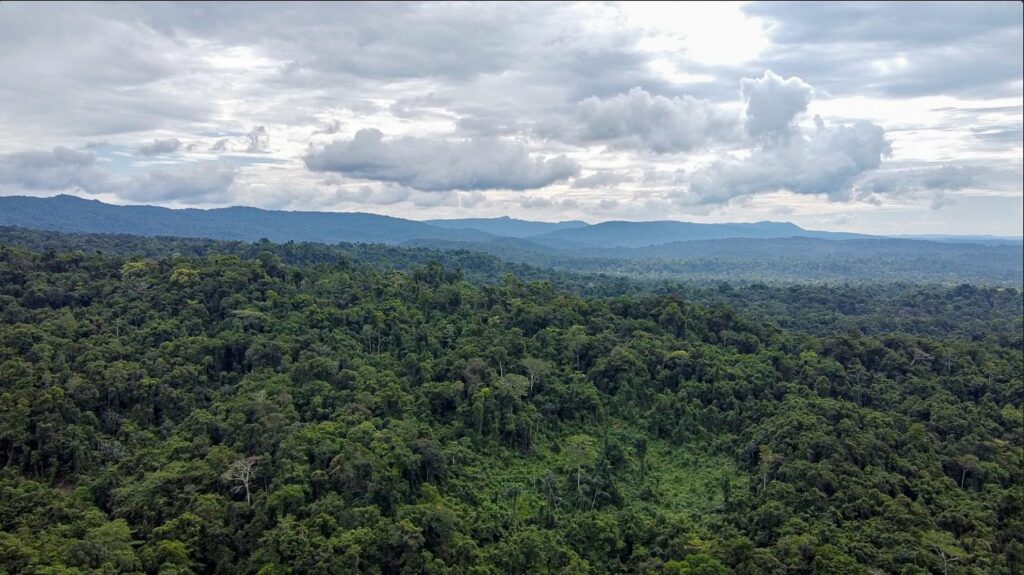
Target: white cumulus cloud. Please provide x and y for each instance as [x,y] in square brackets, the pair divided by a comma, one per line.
[640,120]
[440,165]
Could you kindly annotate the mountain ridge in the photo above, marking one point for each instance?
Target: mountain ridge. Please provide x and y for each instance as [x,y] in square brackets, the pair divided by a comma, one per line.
[73,214]
[69,213]
[507,226]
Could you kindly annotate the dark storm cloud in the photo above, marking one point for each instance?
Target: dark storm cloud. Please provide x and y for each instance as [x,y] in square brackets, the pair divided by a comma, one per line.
[440,165]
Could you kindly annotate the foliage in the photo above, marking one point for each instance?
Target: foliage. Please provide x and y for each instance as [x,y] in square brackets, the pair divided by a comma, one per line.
[383,421]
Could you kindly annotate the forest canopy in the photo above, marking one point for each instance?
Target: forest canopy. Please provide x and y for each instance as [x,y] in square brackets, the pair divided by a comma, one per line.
[170,407]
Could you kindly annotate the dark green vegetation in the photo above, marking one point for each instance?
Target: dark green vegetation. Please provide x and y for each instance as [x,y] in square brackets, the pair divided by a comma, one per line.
[177,406]
[739,253]
[955,311]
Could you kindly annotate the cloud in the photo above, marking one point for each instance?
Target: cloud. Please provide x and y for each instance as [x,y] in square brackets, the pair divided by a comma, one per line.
[59,169]
[657,177]
[936,184]
[450,199]
[471,199]
[927,25]
[939,182]
[535,203]
[826,161]
[78,70]
[639,120]
[490,124]
[440,165]
[941,199]
[259,139]
[902,49]
[583,80]
[600,179]
[901,181]
[158,147]
[202,182]
[414,107]
[381,195]
[772,104]
[67,169]
[999,137]
[331,127]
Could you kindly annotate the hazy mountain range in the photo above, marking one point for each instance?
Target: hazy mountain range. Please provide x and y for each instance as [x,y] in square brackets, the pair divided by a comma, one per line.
[747,251]
[72,214]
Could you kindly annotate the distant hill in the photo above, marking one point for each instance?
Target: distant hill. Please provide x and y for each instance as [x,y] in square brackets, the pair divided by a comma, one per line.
[641,234]
[539,243]
[790,248]
[72,214]
[992,240]
[786,259]
[506,226]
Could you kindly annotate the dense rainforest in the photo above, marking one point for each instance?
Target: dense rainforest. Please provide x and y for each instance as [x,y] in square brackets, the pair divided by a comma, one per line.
[737,252]
[953,310]
[263,408]
[792,259]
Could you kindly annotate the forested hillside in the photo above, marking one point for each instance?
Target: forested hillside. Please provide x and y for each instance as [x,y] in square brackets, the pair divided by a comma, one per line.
[668,250]
[819,308]
[211,412]
[790,260]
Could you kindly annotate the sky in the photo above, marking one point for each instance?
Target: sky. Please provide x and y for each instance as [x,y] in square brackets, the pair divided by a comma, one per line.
[890,118]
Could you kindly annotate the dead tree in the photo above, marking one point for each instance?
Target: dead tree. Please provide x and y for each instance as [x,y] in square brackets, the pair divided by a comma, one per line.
[919,355]
[242,473]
